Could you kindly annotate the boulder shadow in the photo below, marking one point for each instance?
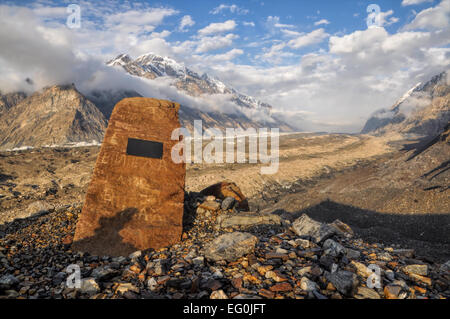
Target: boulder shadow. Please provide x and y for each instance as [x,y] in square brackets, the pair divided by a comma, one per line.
[428,234]
[106,240]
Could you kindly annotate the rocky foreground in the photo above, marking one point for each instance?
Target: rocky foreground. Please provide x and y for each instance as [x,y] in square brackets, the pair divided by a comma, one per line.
[225,252]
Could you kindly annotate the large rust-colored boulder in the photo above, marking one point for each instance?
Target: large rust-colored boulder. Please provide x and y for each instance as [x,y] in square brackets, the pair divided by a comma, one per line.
[227,189]
[136,195]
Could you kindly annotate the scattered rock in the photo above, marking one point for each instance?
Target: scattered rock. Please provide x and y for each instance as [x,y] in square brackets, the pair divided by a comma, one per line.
[218,294]
[366,293]
[305,226]
[228,203]
[230,246]
[226,189]
[248,219]
[308,285]
[344,281]
[392,291]
[8,281]
[89,286]
[416,269]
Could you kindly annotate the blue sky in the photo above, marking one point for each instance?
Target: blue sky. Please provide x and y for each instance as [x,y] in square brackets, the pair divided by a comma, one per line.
[317,62]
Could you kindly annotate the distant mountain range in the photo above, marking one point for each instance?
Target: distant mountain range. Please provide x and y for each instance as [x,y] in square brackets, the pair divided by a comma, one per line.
[61,114]
[152,66]
[424,110]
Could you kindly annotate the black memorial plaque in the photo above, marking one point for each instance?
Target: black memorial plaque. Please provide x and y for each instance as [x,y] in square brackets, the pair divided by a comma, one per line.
[144,148]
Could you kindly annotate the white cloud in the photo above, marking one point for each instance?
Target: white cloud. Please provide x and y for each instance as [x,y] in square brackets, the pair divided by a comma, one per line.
[227,56]
[414,2]
[274,21]
[186,22]
[138,20]
[248,24]
[313,37]
[323,21]
[218,28]
[437,17]
[334,89]
[232,8]
[207,44]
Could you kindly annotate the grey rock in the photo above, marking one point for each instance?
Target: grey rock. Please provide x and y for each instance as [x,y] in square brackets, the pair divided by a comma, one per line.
[307,227]
[308,285]
[333,248]
[89,286]
[344,281]
[104,273]
[198,261]
[228,203]
[352,254]
[230,246]
[160,266]
[445,267]
[247,219]
[8,281]
[404,252]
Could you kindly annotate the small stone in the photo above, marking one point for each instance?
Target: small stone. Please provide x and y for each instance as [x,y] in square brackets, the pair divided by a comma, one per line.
[361,269]
[333,248]
[122,288]
[366,293]
[445,267]
[344,281]
[266,293]
[282,287]
[308,285]
[392,291]
[352,254]
[342,229]
[218,294]
[230,246]
[228,203]
[104,273]
[210,206]
[420,278]
[152,284]
[416,269]
[89,286]
[275,276]
[198,261]
[135,255]
[409,253]
[305,226]
[213,285]
[8,281]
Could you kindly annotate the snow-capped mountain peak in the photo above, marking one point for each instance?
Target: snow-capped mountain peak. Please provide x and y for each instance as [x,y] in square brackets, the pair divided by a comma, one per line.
[152,66]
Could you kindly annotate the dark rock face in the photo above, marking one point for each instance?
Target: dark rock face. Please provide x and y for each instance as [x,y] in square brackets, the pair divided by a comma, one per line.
[134,202]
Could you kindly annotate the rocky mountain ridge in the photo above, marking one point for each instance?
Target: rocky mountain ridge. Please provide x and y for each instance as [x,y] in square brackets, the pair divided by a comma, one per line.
[53,116]
[153,66]
[424,110]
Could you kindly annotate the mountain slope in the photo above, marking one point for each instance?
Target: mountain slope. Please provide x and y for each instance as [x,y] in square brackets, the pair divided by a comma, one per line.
[423,110]
[153,66]
[9,100]
[55,115]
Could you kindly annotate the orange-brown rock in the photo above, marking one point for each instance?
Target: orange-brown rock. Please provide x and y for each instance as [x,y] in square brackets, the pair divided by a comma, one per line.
[227,189]
[134,202]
